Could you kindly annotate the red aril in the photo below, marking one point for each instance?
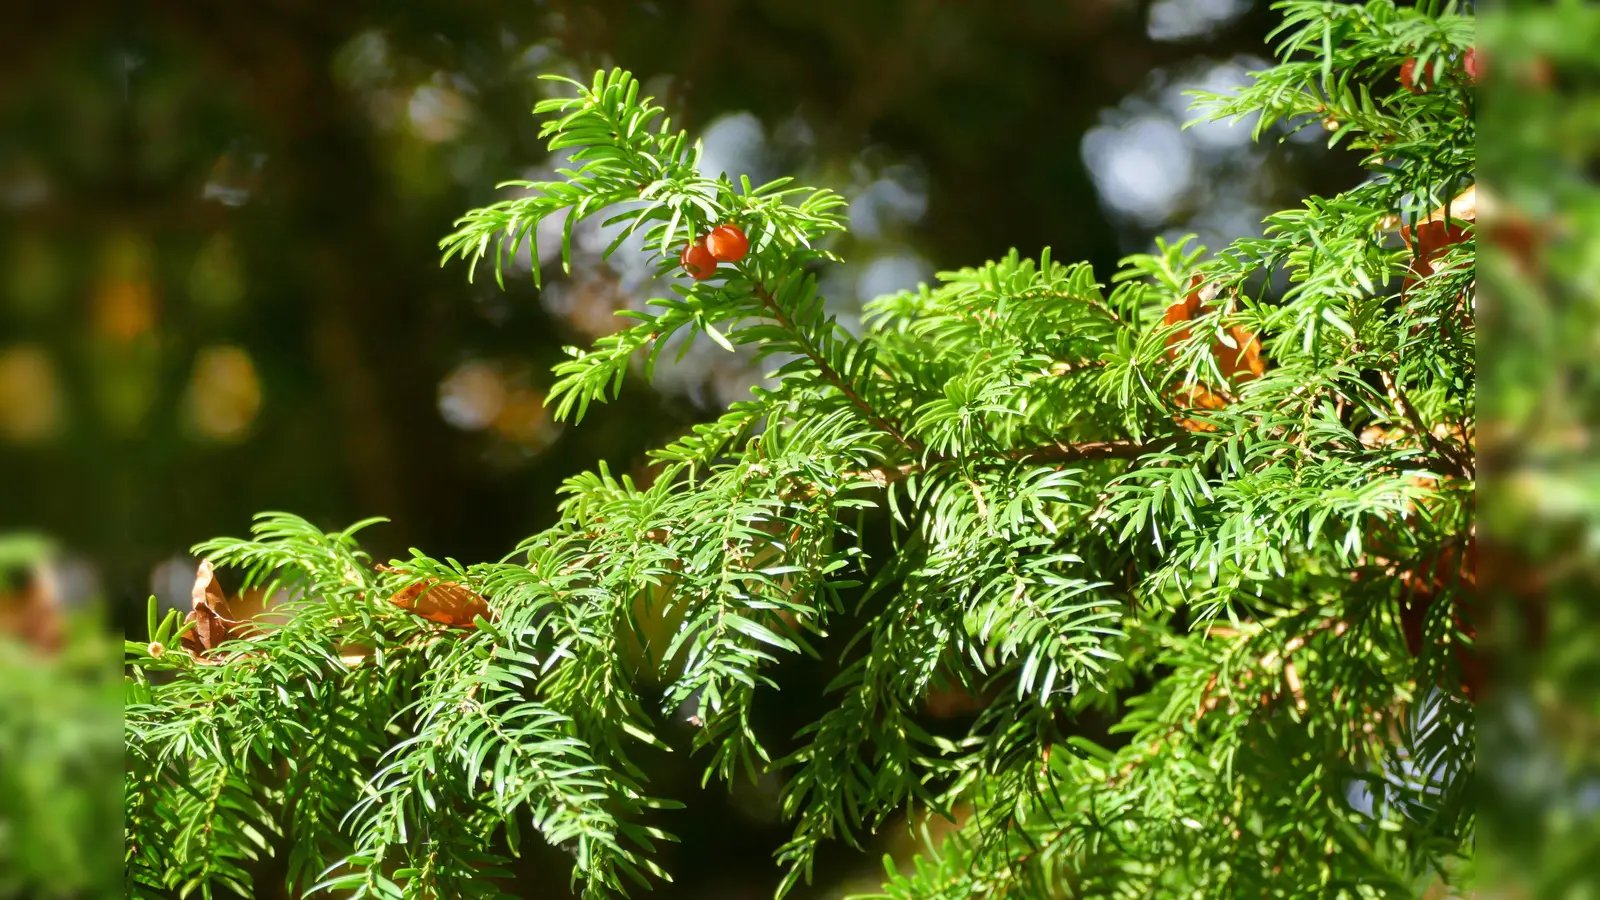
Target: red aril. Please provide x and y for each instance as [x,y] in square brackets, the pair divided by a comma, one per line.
[728,243]
[1408,77]
[698,261]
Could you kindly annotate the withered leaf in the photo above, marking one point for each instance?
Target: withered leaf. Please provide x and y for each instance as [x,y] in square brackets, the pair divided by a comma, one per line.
[1454,570]
[1238,355]
[211,616]
[1195,396]
[445,602]
[1443,228]
[254,611]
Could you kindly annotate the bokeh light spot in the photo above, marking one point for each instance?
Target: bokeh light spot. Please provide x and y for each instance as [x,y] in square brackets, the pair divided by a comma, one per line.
[1142,168]
[735,144]
[125,302]
[30,395]
[1186,20]
[224,394]
[437,113]
[472,396]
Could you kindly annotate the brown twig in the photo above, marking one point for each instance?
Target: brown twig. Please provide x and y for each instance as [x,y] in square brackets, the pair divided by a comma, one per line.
[879,421]
[1098,305]
[1403,406]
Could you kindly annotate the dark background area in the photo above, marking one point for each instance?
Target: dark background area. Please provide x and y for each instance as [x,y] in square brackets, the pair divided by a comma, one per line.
[221,290]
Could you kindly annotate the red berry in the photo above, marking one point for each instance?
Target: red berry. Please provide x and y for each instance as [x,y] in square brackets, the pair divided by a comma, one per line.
[1408,77]
[728,243]
[698,261]
[1469,61]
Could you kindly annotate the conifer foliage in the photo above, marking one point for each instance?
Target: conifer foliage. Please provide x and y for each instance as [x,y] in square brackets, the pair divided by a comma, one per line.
[1225,505]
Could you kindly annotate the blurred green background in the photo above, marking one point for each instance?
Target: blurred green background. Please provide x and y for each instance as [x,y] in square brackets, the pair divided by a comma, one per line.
[1539,410]
[220,289]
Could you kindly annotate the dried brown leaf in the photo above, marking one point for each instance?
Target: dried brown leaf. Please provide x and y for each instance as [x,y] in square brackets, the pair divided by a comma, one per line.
[211,615]
[1443,228]
[1238,353]
[445,602]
